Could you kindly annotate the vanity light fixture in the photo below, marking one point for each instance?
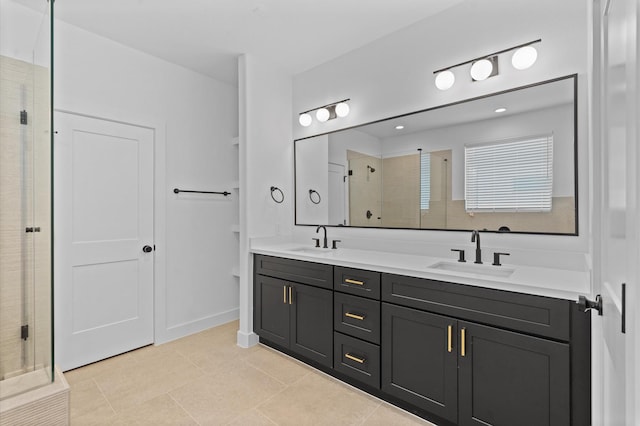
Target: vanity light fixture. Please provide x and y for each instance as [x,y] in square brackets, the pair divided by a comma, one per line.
[484,67]
[325,113]
[524,57]
[305,120]
[445,79]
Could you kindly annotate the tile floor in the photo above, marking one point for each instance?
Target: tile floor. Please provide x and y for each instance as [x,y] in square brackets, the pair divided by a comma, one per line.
[206,379]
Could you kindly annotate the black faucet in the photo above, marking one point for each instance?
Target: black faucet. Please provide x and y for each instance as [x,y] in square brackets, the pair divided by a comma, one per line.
[325,245]
[475,238]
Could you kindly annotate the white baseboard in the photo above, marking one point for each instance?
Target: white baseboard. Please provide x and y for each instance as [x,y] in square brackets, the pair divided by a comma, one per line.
[192,327]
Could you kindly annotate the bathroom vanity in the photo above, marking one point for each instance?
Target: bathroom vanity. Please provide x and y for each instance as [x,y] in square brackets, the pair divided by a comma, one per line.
[456,348]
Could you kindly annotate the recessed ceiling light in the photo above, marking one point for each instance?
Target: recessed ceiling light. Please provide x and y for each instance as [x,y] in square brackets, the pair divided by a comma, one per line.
[399,127]
[501,109]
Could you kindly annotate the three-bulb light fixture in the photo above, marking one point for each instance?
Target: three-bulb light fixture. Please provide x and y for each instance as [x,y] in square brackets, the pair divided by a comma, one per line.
[524,56]
[325,113]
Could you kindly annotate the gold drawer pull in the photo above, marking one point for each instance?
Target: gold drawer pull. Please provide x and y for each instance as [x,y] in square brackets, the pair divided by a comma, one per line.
[449,347]
[356,282]
[354,316]
[354,358]
[463,333]
[290,298]
[284,294]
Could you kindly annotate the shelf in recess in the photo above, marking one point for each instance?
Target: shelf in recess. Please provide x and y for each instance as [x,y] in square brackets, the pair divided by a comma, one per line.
[236,272]
[235,228]
[235,141]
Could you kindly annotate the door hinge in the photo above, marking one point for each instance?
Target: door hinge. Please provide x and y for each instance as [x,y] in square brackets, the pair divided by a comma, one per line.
[23,117]
[32,229]
[24,332]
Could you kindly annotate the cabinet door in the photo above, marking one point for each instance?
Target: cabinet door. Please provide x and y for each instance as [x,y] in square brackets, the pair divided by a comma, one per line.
[312,323]
[419,360]
[506,378]
[272,309]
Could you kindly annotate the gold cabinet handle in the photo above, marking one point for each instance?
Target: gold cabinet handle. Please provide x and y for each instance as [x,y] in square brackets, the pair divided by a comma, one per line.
[354,358]
[354,316]
[356,282]
[463,333]
[449,331]
[290,297]
[284,294]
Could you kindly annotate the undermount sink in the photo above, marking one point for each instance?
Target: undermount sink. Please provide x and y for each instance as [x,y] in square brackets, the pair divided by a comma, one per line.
[472,268]
[312,250]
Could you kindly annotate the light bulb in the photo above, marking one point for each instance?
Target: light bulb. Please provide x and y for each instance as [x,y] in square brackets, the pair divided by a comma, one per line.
[322,115]
[501,109]
[481,70]
[524,57]
[445,79]
[342,109]
[305,120]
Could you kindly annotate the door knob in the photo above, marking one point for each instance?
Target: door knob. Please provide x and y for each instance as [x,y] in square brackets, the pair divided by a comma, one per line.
[147,249]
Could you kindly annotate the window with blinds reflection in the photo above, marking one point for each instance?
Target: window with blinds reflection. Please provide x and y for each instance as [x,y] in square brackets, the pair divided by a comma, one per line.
[513,175]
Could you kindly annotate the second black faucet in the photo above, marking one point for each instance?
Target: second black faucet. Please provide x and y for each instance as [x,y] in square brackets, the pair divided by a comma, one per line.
[475,238]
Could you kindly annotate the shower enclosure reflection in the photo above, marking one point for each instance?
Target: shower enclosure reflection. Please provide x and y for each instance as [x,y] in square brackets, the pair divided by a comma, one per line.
[25,214]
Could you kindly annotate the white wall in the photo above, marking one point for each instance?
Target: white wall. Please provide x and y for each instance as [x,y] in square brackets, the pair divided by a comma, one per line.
[194,118]
[394,75]
[266,160]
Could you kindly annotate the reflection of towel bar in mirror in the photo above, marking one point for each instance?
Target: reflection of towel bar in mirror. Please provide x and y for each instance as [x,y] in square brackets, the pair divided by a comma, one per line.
[411,171]
[314,199]
[277,198]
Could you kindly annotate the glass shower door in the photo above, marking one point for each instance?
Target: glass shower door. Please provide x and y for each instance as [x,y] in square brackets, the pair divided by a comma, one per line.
[25,201]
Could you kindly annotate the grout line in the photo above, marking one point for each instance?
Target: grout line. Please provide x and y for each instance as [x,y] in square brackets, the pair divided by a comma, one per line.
[182,408]
[115,413]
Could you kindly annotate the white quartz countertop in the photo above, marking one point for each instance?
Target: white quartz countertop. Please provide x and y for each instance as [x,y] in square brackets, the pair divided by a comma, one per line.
[541,281]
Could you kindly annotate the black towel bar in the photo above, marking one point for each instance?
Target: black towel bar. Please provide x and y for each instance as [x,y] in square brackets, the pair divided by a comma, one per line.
[177,191]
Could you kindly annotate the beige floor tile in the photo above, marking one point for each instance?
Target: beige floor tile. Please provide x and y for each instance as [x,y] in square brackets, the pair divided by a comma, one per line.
[218,399]
[319,400]
[386,415]
[141,382]
[277,365]
[87,401]
[253,418]
[162,410]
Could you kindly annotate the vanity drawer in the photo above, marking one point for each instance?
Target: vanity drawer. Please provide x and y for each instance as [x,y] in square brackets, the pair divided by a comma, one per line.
[538,315]
[357,317]
[357,358]
[316,274]
[357,281]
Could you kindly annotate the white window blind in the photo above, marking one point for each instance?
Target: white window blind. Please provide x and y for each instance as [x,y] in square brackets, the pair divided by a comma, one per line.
[516,175]
[425,181]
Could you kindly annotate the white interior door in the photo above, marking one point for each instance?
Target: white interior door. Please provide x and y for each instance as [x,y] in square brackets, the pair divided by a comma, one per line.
[616,266]
[103,218]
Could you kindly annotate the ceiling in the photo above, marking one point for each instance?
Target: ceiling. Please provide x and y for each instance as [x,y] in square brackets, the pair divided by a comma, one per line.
[208,35]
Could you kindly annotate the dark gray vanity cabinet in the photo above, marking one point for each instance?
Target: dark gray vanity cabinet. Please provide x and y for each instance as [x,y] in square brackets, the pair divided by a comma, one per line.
[356,321]
[419,361]
[294,315]
[454,354]
[493,370]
